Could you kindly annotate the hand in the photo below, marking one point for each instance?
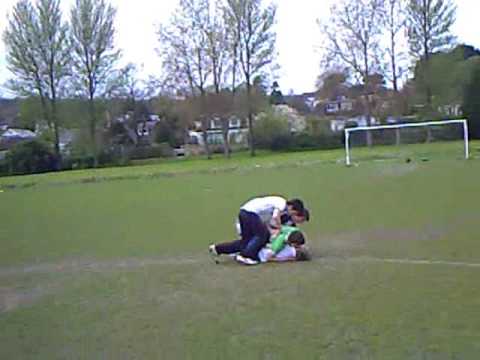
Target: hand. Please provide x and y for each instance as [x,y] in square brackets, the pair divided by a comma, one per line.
[269,254]
[274,231]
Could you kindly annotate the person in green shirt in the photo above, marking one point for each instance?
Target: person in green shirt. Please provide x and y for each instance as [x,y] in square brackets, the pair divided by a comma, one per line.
[286,244]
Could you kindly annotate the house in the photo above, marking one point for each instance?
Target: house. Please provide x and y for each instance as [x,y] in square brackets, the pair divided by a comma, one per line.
[304,103]
[340,110]
[66,139]
[453,110]
[12,137]
[21,134]
[338,105]
[340,123]
[139,130]
[146,128]
[237,132]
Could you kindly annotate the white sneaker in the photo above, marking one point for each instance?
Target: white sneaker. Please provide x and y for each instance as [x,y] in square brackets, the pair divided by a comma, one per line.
[214,254]
[245,260]
[212,250]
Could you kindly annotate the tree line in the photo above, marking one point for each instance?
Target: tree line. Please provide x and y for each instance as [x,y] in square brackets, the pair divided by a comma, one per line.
[208,48]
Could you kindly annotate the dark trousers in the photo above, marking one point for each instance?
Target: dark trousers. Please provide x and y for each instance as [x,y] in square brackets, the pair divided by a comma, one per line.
[255,235]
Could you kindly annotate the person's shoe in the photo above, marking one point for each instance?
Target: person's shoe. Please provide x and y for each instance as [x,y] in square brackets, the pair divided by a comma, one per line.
[213,253]
[245,260]
[212,250]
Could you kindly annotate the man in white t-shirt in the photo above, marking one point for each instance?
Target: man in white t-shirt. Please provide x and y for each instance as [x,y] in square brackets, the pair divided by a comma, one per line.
[254,219]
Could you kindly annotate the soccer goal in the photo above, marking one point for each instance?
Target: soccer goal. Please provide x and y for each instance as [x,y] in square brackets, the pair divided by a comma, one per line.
[450,133]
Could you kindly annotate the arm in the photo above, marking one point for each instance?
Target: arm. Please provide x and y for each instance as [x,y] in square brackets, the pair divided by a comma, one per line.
[277,243]
[274,232]
[288,253]
[279,205]
[276,219]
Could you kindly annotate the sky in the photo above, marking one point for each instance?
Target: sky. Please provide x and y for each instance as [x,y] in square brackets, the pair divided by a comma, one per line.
[298,35]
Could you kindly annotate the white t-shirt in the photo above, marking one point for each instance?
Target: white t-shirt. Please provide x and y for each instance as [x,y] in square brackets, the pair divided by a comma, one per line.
[266,207]
[287,253]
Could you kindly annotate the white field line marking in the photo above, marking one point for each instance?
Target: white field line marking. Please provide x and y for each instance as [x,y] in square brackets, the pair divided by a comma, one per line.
[415,262]
[112,265]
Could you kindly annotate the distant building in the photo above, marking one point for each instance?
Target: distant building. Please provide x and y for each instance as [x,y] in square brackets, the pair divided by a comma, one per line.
[338,105]
[237,132]
[339,124]
[11,137]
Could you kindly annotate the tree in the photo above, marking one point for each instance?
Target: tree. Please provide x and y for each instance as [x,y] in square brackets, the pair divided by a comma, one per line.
[395,22]
[30,113]
[353,38]
[185,55]
[429,23]
[38,56]
[448,74]
[471,102]
[130,95]
[253,30]
[94,55]
[220,56]
[332,84]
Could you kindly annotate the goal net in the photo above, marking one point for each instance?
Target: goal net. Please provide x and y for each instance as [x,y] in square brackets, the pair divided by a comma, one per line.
[408,141]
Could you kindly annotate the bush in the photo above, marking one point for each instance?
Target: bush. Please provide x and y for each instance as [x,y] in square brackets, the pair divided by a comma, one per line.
[148,152]
[471,103]
[4,168]
[271,131]
[281,142]
[78,162]
[305,141]
[168,132]
[108,157]
[31,157]
[324,141]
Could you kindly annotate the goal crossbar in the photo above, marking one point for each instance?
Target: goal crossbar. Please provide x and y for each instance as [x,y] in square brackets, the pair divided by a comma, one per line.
[407,125]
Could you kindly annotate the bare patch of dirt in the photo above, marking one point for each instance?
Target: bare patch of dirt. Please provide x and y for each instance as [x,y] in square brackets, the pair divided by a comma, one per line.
[396,169]
[348,242]
[12,298]
[77,265]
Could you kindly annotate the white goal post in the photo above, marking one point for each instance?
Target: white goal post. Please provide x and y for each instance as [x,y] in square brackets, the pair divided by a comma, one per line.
[399,126]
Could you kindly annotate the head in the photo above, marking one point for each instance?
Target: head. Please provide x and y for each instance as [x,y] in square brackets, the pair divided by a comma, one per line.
[299,218]
[297,211]
[296,239]
[302,254]
[295,205]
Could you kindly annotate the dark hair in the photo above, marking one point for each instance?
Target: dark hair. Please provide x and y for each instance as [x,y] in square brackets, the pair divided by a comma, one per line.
[296,205]
[296,237]
[302,254]
[306,214]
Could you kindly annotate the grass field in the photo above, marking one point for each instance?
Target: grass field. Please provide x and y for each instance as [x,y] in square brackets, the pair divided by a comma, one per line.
[112,263]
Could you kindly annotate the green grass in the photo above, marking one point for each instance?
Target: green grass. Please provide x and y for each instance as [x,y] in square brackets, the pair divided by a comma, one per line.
[117,268]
